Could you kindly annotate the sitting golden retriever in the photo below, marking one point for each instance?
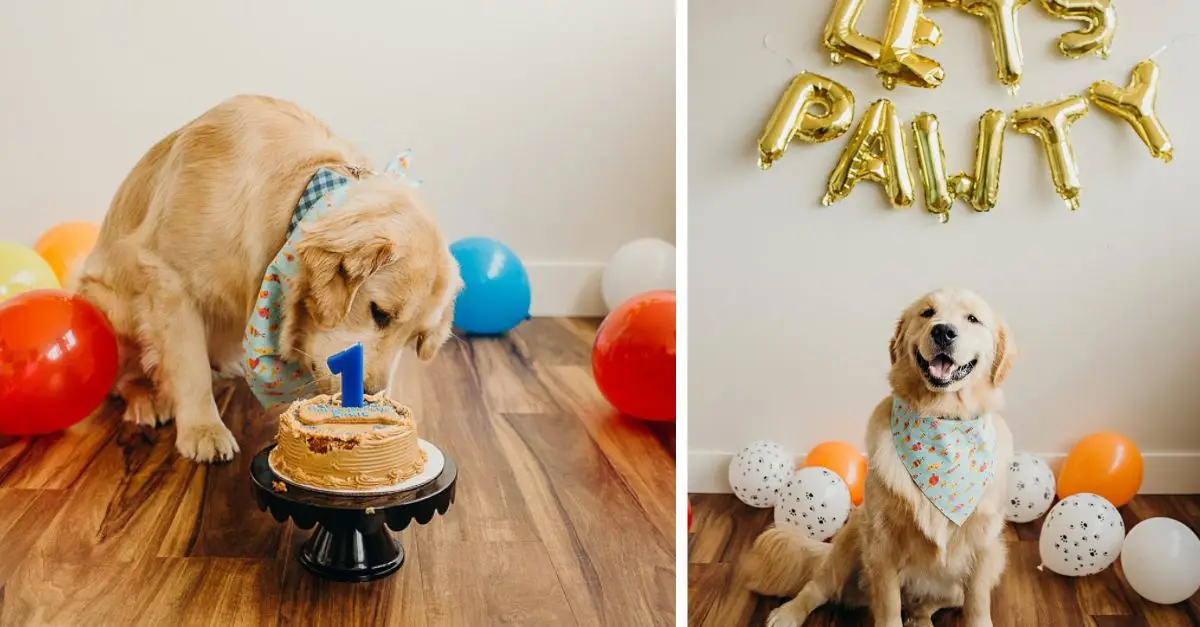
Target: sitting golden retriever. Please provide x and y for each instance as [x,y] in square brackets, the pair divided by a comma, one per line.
[927,535]
[254,242]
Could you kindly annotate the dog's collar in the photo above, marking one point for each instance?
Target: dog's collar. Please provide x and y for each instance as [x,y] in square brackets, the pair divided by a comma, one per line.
[951,461]
[271,377]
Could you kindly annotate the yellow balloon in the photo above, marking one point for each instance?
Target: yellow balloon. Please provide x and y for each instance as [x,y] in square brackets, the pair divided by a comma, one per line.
[979,187]
[875,152]
[22,270]
[842,38]
[1050,123]
[1096,35]
[793,116]
[931,163]
[1135,105]
[1001,16]
[908,28]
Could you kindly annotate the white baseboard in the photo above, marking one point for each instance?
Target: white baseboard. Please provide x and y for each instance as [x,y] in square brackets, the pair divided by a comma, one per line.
[1165,473]
[566,288]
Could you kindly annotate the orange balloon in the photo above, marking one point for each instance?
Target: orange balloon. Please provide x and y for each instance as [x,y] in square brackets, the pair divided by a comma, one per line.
[65,245]
[1107,464]
[846,461]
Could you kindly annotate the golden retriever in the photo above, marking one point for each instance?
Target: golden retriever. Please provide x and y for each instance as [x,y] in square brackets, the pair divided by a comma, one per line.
[898,553]
[183,249]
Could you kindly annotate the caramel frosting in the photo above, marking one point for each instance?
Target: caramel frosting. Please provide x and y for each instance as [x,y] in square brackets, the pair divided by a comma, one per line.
[324,445]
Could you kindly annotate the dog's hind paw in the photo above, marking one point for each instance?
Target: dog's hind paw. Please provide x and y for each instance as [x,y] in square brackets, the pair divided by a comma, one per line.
[785,616]
[142,406]
[207,442]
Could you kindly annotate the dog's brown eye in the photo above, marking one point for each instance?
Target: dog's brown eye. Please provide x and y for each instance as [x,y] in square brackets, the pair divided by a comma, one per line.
[382,318]
[972,319]
[928,313]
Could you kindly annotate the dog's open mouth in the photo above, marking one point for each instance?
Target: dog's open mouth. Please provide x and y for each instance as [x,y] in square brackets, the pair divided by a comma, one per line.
[941,370]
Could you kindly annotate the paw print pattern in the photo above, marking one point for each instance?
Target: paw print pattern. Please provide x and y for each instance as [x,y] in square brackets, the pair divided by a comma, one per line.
[820,497]
[759,471]
[1030,488]
[1082,535]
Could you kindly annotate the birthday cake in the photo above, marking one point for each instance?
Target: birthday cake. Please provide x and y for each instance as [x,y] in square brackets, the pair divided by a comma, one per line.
[323,444]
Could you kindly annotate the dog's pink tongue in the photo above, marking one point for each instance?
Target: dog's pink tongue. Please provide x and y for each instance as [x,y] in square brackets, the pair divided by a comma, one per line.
[941,367]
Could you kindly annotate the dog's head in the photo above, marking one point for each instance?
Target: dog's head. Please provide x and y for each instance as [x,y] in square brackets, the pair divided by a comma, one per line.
[376,271]
[948,341]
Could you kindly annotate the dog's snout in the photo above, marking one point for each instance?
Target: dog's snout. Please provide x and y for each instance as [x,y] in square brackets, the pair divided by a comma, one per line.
[943,334]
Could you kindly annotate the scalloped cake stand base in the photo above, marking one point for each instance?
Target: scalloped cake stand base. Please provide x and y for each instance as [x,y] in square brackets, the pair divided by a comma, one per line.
[351,541]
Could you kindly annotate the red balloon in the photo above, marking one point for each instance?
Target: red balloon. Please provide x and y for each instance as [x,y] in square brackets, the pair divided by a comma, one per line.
[633,359]
[58,360]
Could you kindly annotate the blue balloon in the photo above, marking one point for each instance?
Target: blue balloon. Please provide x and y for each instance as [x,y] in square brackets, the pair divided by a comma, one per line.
[495,295]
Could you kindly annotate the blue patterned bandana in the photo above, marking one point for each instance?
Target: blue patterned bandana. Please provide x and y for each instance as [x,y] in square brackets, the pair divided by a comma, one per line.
[951,461]
[272,378]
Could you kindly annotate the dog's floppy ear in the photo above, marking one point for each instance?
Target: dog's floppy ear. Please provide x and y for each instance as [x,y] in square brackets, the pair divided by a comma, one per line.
[894,347]
[1005,351]
[338,253]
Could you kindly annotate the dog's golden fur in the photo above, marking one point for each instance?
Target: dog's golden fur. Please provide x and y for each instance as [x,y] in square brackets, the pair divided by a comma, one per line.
[187,239]
[897,553]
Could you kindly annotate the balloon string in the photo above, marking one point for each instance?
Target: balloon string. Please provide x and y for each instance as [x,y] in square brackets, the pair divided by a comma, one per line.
[1172,42]
[766,43]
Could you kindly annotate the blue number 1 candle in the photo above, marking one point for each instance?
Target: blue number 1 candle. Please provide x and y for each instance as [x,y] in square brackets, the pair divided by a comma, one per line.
[349,364]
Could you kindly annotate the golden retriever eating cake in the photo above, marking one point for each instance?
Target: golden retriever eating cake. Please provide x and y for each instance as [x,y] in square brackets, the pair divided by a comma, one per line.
[253,242]
[927,535]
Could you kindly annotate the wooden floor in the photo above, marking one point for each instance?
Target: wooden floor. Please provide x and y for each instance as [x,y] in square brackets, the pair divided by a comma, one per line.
[564,514]
[723,529]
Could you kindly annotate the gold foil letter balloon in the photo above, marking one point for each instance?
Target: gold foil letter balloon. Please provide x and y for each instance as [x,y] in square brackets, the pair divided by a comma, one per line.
[1100,24]
[908,28]
[842,38]
[1050,123]
[980,187]
[1135,105]
[1001,16]
[794,116]
[875,152]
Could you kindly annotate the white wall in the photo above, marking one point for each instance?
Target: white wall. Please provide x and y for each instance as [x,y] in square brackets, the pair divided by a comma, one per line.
[548,125]
[792,304]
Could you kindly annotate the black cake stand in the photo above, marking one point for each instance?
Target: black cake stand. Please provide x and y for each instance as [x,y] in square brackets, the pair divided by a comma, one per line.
[351,541]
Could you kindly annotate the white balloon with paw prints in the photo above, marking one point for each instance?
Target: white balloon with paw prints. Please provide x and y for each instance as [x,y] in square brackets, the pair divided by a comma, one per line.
[757,472]
[814,501]
[1030,488]
[1082,535]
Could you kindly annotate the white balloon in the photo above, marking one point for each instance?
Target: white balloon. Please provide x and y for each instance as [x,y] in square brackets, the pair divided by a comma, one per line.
[1030,488]
[640,266]
[757,472]
[814,501]
[1082,535]
[1161,560]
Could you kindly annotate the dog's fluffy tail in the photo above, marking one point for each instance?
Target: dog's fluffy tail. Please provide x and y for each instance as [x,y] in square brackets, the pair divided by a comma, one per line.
[781,562]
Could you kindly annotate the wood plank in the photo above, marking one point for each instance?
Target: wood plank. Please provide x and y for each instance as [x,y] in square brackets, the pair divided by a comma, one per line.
[57,460]
[510,384]
[123,504]
[448,401]
[217,515]
[636,453]
[158,591]
[618,568]
[491,583]
[24,516]
[557,341]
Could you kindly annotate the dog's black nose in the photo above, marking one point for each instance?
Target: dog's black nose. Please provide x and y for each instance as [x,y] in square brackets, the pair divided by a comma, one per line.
[943,334]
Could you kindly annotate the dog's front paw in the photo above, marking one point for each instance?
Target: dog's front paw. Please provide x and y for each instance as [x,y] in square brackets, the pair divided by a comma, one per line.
[206,442]
[978,621]
[785,616]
